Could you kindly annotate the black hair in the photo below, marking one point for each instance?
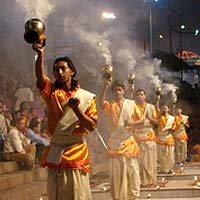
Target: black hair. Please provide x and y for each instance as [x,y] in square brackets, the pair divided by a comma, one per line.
[34,122]
[71,65]
[141,90]
[117,83]
[24,105]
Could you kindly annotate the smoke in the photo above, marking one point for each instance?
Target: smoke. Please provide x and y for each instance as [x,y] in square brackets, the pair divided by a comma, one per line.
[126,57]
[169,88]
[76,28]
[36,8]
[99,44]
[150,76]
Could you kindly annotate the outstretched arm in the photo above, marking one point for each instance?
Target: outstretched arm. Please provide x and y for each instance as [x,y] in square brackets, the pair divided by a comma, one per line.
[103,93]
[157,104]
[39,64]
[131,90]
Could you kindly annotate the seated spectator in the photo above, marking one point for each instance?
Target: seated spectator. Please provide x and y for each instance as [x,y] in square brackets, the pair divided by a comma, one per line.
[35,134]
[18,147]
[32,114]
[36,137]
[9,118]
[3,124]
[22,112]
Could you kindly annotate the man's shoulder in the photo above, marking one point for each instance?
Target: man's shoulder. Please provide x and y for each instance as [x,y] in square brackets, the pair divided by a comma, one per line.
[150,105]
[130,100]
[84,93]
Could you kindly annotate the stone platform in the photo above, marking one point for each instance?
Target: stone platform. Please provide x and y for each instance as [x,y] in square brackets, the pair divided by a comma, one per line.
[179,185]
[18,184]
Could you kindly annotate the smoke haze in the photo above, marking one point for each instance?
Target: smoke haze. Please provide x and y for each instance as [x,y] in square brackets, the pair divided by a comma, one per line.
[76,28]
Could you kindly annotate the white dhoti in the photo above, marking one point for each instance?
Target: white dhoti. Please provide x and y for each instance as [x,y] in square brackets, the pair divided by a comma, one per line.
[167,161]
[124,178]
[148,162]
[68,184]
[180,151]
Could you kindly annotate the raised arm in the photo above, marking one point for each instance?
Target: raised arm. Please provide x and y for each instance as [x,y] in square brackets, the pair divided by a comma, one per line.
[39,64]
[131,90]
[103,93]
[157,104]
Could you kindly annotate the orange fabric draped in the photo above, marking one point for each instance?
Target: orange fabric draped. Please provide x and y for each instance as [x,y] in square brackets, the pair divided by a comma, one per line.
[128,147]
[176,127]
[74,156]
[162,121]
[169,140]
[150,137]
[138,115]
[113,109]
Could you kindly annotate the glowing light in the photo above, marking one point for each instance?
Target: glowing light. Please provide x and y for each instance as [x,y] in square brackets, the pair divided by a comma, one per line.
[161,36]
[182,26]
[107,15]
[196,32]
[100,44]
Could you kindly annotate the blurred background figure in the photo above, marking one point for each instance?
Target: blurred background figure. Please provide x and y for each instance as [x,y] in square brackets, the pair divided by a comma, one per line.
[37,137]
[18,147]
[23,94]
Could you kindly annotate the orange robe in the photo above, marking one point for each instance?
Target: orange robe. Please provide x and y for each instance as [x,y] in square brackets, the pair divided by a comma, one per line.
[144,132]
[165,138]
[178,126]
[74,156]
[128,147]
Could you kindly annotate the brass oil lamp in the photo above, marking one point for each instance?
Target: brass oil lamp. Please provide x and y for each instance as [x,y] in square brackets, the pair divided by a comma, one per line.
[34,31]
[131,78]
[107,72]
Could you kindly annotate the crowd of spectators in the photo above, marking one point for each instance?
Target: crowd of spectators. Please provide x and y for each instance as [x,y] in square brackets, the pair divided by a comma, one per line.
[23,124]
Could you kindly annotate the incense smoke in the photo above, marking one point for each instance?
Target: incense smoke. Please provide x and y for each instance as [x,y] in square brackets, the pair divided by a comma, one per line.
[36,8]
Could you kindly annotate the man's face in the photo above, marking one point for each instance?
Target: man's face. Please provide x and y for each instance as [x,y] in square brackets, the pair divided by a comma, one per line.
[178,111]
[21,125]
[118,92]
[165,109]
[141,97]
[62,72]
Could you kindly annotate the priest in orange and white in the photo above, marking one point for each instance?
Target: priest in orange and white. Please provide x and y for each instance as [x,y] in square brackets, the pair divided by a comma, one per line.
[165,140]
[180,124]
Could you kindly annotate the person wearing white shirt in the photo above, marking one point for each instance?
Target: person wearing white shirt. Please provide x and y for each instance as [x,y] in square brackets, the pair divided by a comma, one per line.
[18,147]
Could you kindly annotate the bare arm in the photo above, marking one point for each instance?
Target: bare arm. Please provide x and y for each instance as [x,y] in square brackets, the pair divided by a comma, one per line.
[157,104]
[39,64]
[131,89]
[103,93]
